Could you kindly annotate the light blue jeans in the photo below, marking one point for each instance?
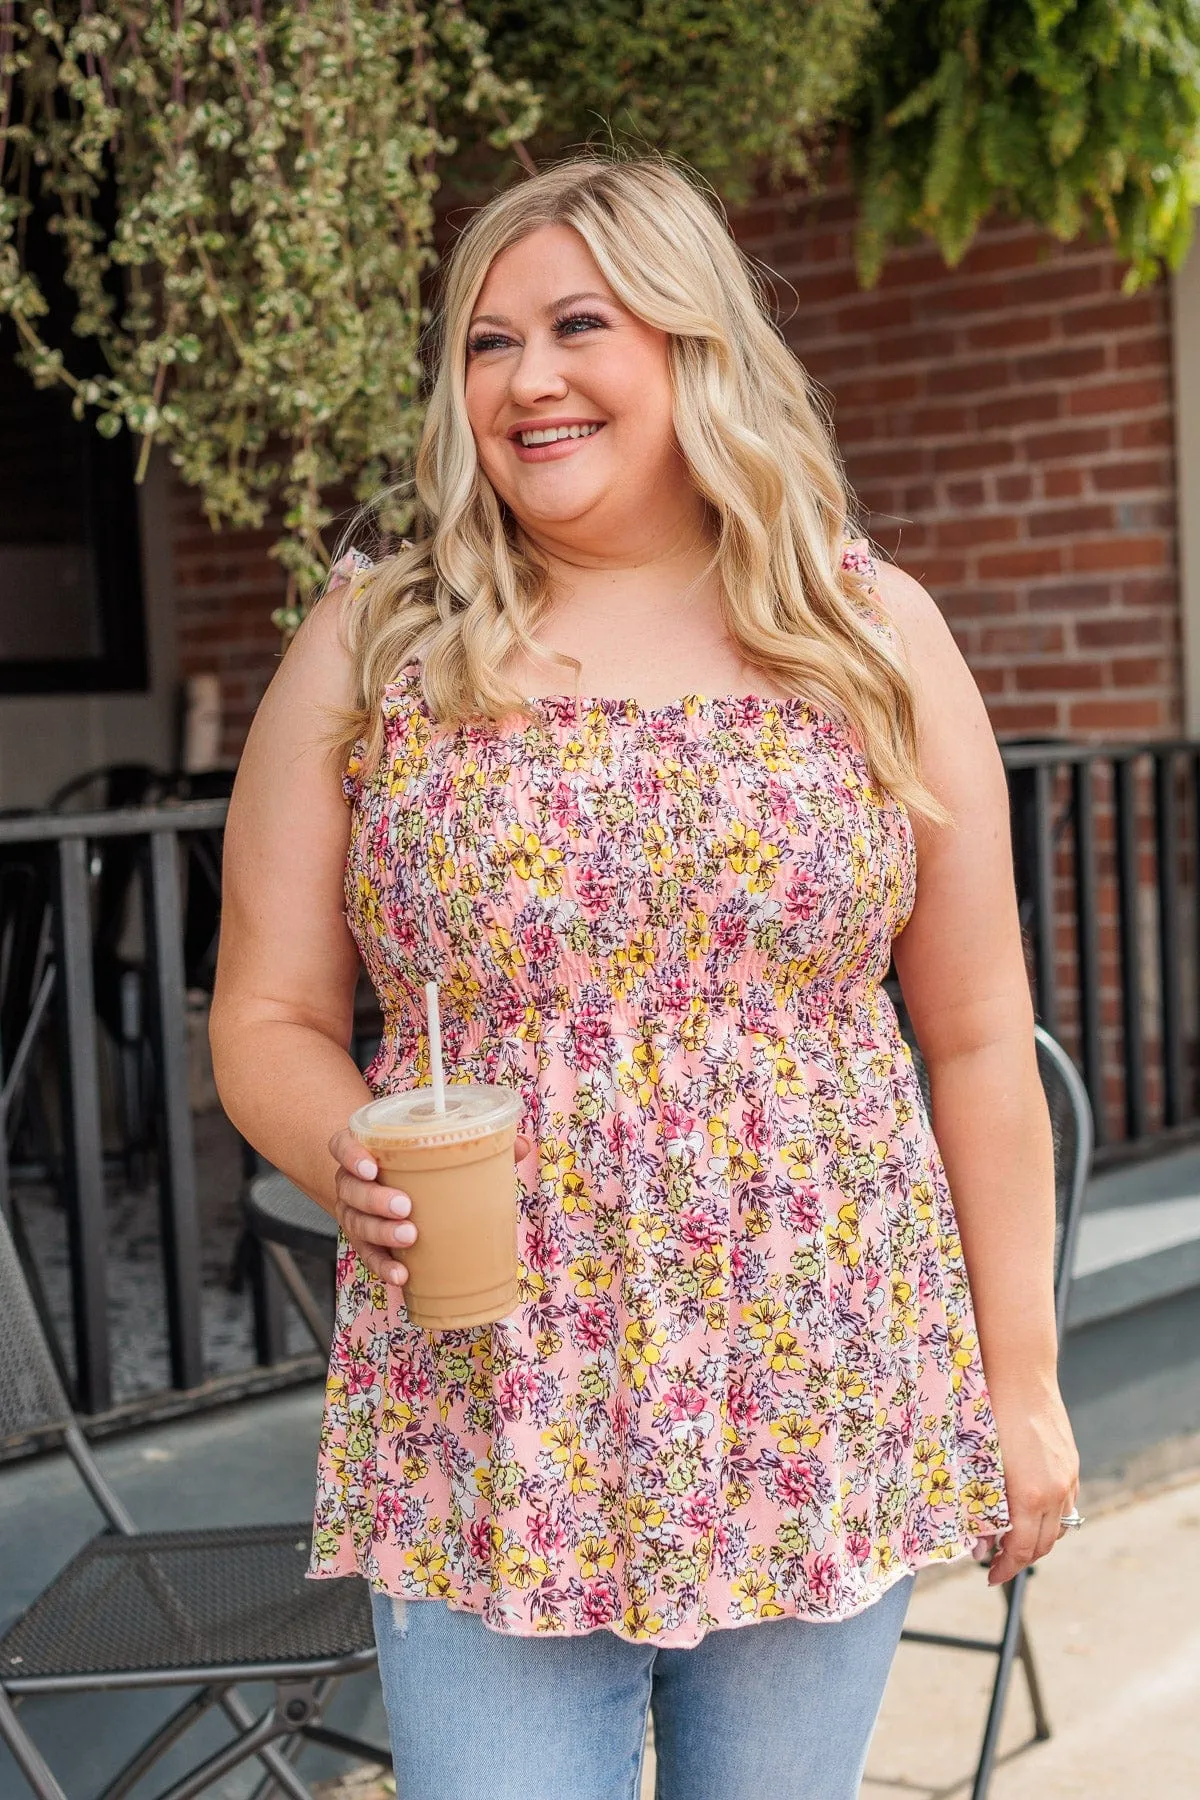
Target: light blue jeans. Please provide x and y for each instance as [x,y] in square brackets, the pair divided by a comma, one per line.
[780,1710]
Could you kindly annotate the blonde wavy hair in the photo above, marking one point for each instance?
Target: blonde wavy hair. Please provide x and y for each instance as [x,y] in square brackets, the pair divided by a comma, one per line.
[470,589]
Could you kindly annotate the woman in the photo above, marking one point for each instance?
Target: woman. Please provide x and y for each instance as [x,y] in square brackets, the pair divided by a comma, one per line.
[743,1397]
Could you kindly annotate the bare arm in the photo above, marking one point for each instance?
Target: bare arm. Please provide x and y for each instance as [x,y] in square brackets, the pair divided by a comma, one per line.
[287,966]
[962,971]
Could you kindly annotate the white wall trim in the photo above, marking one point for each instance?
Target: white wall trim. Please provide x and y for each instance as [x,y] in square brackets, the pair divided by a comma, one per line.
[1185,318]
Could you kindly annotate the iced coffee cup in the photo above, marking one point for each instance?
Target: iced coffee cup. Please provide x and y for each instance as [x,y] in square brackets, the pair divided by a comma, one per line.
[458,1169]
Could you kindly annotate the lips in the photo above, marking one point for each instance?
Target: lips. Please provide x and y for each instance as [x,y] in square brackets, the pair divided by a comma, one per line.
[570,436]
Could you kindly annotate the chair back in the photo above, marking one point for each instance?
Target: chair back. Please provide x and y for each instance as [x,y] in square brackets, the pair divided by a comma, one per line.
[32,1398]
[1072,1129]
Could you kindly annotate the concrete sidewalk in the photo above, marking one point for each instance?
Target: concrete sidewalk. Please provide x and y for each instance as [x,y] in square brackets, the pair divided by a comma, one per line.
[1114,1617]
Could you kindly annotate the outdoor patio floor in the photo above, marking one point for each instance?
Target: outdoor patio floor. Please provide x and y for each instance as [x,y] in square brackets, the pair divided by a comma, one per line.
[1112,1614]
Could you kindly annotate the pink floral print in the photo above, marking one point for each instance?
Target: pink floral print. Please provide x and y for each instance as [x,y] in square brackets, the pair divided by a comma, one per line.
[743,1379]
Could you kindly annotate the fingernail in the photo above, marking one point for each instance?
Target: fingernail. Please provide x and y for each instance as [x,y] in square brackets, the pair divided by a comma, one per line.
[401,1205]
[367,1169]
[396,1276]
[404,1234]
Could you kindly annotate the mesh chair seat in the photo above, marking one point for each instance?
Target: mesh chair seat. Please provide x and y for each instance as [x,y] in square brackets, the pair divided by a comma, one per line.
[279,1211]
[202,1600]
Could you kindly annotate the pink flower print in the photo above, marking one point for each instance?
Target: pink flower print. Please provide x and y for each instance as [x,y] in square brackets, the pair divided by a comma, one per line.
[593,1325]
[537,941]
[794,1483]
[698,1229]
[507,1009]
[597,1603]
[515,1390]
[541,1250]
[700,1512]
[479,1540]
[801,896]
[729,933]
[682,1135]
[674,991]
[360,1374]
[623,1135]
[803,1208]
[755,1133]
[824,1582]
[564,805]
[683,1403]
[410,1378]
[595,890]
[389,1511]
[743,1407]
[858,1546]
[545,1536]
[590,1033]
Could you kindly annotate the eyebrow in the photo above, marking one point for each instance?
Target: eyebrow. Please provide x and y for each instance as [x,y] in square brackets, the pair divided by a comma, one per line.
[554,306]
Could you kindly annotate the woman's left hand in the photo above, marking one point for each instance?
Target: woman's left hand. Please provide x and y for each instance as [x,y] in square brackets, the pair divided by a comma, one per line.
[1041,1476]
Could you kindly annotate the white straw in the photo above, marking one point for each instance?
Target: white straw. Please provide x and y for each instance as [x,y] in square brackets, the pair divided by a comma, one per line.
[438,1074]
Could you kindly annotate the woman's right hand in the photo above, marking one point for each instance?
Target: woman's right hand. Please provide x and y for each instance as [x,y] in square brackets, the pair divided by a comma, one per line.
[374,1218]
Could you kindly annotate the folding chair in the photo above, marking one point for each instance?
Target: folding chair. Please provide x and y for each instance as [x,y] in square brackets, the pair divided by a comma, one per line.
[1071,1124]
[206,1609]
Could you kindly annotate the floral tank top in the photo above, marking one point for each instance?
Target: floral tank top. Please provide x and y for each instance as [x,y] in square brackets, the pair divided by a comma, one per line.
[742,1381]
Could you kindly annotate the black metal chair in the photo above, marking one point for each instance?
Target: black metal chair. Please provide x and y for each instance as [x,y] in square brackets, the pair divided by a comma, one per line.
[1071,1125]
[282,1219]
[206,1609]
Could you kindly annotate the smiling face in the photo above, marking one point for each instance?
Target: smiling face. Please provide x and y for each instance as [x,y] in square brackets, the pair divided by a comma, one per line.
[569,397]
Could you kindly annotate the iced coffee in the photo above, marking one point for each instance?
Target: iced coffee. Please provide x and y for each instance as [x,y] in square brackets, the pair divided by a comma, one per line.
[458,1169]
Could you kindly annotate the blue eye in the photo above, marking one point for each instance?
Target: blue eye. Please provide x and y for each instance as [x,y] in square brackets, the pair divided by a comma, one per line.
[487,340]
[566,327]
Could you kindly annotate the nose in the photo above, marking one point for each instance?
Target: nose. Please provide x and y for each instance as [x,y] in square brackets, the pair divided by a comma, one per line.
[537,374]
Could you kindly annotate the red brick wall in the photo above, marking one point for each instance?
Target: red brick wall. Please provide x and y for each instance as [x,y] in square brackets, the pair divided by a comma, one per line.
[1007,425]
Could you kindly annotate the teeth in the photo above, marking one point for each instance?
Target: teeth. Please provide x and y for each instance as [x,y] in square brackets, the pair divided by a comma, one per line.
[552,436]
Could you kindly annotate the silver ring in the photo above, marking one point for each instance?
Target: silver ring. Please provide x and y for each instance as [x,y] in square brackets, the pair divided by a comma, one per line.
[1073,1519]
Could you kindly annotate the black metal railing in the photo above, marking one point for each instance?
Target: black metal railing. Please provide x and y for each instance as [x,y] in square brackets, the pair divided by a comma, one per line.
[1106,842]
[1106,846]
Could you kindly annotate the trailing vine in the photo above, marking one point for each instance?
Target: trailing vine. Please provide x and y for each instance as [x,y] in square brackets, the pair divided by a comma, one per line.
[1071,113]
[258,300]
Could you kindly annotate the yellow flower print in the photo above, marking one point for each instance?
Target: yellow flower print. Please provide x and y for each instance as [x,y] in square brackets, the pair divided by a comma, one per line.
[785,1071]
[590,1275]
[764,1317]
[531,1283]
[509,957]
[797,1159]
[534,861]
[640,1622]
[557,1168]
[729,1156]
[962,1353]
[712,1272]
[980,1498]
[397,1415]
[641,1349]
[842,1240]
[696,937]
[415,1467]
[648,1228]
[656,846]
[693,1027]
[755,1596]
[786,1354]
[580,1478]
[850,1384]
[425,1561]
[929,1468]
[562,1441]
[796,1432]
[595,1555]
[748,854]
[521,1567]
[441,864]
[757,1221]
[643,1514]
[640,1074]
[548,1341]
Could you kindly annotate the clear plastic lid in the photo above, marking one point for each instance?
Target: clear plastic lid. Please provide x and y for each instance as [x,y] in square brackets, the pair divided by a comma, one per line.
[472,1110]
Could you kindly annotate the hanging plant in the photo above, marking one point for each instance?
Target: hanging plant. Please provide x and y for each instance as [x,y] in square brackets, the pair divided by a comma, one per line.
[1076,114]
[270,175]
